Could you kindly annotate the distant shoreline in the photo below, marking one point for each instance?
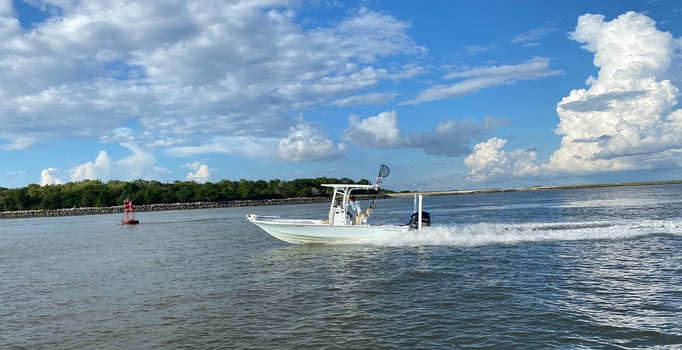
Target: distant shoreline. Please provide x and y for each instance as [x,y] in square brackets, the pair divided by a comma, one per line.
[533,188]
[155,207]
[260,202]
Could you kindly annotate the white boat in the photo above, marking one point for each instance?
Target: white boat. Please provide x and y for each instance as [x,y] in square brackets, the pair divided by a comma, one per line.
[339,226]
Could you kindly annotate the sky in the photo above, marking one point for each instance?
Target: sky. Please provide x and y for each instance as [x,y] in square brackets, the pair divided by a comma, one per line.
[450,94]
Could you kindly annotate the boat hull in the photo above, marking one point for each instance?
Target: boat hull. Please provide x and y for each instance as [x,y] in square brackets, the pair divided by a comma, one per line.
[318,232]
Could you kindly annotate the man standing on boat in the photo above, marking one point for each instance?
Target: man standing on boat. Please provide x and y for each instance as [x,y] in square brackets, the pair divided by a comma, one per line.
[353,209]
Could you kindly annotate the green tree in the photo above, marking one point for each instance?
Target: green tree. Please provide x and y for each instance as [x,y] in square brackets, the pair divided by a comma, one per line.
[94,193]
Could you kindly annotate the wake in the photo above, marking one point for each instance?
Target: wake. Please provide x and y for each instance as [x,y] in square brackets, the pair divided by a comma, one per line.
[479,234]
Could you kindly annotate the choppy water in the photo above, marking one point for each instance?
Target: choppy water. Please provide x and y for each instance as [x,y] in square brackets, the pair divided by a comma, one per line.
[570,269]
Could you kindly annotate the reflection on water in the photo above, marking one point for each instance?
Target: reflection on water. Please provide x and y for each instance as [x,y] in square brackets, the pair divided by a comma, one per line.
[627,292]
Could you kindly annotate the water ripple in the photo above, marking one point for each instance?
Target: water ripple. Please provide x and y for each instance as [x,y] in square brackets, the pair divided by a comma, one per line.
[490,273]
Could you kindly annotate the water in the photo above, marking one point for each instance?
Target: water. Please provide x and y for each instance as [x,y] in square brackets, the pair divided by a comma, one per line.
[571,269]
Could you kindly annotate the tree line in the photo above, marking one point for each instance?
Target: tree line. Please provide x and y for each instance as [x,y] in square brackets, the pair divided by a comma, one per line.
[95,193]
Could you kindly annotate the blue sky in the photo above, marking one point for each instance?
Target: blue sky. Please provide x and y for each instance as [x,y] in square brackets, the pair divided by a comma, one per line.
[449,94]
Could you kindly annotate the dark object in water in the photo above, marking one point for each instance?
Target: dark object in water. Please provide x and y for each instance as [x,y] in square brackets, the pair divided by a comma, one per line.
[414,219]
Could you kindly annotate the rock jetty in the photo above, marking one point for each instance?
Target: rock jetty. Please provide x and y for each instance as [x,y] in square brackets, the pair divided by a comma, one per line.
[156,207]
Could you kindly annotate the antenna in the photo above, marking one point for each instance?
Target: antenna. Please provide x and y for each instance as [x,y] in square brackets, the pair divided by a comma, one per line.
[384,170]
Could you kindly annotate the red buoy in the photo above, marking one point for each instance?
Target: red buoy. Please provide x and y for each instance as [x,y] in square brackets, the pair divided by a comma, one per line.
[129,218]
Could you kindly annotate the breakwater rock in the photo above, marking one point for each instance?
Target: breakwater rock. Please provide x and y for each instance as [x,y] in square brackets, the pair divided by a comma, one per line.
[156,207]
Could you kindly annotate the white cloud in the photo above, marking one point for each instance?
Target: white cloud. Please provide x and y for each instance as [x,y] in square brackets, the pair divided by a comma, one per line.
[199,173]
[140,164]
[490,161]
[487,159]
[381,131]
[305,142]
[6,9]
[625,120]
[95,170]
[477,79]
[50,176]
[184,72]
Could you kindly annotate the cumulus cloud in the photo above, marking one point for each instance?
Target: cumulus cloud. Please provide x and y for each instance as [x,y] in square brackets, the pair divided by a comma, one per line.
[306,142]
[140,164]
[185,72]
[199,173]
[490,161]
[97,169]
[380,131]
[50,176]
[477,79]
[626,118]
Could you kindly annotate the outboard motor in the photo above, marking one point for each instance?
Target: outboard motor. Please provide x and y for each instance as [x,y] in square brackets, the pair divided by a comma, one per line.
[414,219]
[426,219]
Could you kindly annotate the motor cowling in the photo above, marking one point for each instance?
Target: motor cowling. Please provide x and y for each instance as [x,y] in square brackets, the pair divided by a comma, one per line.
[426,219]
